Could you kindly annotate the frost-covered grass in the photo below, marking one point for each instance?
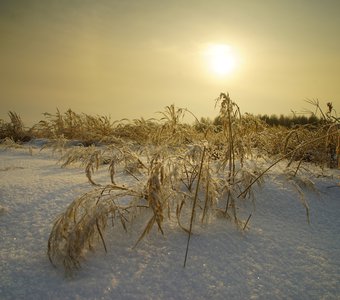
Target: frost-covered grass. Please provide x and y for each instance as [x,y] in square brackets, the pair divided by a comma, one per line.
[278,256]
[113,206]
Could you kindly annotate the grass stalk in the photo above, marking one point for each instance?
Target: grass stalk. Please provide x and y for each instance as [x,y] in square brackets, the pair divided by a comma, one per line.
[277,161]
[194,206]
[245,225]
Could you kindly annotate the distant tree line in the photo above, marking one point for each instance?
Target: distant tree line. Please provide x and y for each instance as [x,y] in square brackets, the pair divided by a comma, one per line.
[272,120]
[289,121]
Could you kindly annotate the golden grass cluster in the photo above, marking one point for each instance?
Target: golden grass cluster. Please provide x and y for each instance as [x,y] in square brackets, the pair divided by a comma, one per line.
[187,173]
[15,129]
[84,219]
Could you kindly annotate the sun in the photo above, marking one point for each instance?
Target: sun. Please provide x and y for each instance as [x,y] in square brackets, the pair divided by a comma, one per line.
[221,59]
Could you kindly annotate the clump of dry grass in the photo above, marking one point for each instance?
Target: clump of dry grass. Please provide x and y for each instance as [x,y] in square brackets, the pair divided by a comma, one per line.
[171,130]
[100,129]
[141,131]
[89,157]
[238,143]
[84,222]
[72,126]
[92,157]
[169,192]
[14,129]
[176,176]
[316,143]
[179,174]
[87,217]
[155,198]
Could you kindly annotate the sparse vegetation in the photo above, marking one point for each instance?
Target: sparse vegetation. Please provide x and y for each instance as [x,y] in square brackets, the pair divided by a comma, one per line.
[15,129]
[178,171]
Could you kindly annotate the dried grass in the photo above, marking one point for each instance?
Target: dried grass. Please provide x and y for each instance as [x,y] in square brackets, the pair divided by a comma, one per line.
[84,221]
[15,129]
[85,128]
[178,173]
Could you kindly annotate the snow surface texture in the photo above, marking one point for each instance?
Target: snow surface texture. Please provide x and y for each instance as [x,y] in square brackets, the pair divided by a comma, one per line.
[280,256]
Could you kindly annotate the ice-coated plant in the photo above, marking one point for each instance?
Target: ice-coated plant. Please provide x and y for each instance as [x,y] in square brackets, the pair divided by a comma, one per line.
[182,175]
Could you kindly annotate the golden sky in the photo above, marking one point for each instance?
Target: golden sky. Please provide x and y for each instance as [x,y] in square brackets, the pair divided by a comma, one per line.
[129,59]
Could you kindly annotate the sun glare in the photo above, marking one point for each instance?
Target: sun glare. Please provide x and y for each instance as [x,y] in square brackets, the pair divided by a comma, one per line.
[221,59]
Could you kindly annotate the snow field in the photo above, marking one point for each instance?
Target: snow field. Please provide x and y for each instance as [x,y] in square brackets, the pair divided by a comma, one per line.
[279,256]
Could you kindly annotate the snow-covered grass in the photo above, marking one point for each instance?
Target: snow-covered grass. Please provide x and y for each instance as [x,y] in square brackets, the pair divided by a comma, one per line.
[279,256]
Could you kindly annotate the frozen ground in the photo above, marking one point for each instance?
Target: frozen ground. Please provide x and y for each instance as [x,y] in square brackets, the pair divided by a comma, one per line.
[279,257]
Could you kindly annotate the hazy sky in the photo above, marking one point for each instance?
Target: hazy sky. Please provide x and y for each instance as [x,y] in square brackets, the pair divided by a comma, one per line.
[129,59]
